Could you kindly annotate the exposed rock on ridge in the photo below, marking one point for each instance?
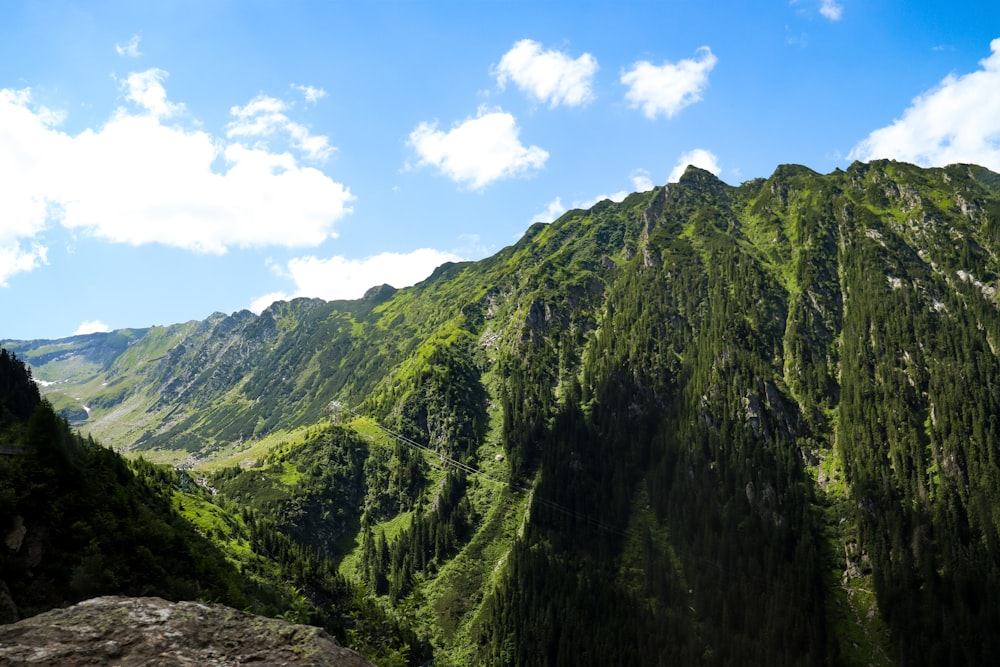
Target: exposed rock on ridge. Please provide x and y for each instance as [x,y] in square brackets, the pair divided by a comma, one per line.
[153,631]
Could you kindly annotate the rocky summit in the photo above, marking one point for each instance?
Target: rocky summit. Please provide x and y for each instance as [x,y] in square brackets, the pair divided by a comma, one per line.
[153,631]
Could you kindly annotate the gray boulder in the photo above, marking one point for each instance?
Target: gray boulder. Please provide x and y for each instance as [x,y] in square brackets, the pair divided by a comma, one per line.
[152,631]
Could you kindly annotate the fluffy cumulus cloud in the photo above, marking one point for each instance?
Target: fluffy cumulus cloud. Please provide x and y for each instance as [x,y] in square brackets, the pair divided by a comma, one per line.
[831,9]
[641,182]
[548,76]
[341,278]
[15,258]
[143,177]
[552,211]
[266,116]
[957,121]
[146,90]
[91,326]
[27,137]
[477,151]
[700,158]
[668,88]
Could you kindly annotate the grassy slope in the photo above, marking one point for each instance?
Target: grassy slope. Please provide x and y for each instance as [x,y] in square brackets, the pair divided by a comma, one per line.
[787,222]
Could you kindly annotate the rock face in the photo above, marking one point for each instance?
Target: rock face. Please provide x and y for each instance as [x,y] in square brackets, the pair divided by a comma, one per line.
[153,631]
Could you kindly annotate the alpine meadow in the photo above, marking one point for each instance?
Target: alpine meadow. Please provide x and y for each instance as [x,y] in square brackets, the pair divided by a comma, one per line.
[706,424]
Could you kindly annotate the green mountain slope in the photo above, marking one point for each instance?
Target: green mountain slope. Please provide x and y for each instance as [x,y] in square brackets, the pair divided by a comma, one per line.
[708,424]
[80,521]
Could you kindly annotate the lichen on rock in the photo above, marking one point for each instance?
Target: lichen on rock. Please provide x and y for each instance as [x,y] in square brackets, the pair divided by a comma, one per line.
[152,631]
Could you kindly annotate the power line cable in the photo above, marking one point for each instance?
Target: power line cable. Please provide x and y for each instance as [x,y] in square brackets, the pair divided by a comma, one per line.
[472,470]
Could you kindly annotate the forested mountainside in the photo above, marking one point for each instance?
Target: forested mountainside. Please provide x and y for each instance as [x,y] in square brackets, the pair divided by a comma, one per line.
[709,424]
[78,521]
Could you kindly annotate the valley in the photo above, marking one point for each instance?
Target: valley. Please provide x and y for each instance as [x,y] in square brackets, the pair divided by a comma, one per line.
[708,424]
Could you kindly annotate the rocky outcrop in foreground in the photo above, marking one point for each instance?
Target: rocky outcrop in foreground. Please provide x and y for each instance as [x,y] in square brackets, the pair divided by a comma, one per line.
[153,631]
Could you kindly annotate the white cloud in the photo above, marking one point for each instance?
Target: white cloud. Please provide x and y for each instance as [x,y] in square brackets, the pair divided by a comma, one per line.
[700,158]
[477,151]
[138,179]
[548,76]
[15,259]
[129,49]
[27,139]
[616,197]
[146,89]
[259,304]
[957,121]
[831,9]
[668,88]
[91,326]
[551,212]
[641,182]
[26,135]
[265,116]
[341,278]
[311,93]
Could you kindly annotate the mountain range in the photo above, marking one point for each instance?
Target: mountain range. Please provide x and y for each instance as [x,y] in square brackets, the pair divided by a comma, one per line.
[708,424]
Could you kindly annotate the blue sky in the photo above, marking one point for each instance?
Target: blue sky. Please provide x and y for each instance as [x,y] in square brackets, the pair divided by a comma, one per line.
[160,161]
